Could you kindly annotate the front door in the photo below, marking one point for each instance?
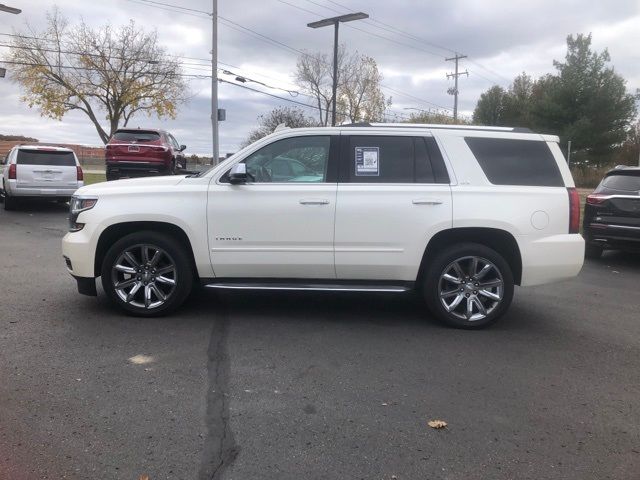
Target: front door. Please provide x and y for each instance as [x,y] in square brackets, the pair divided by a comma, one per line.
[280,223]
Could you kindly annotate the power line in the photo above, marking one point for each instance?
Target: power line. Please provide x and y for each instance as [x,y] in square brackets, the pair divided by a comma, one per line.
[403,33]
[284,46]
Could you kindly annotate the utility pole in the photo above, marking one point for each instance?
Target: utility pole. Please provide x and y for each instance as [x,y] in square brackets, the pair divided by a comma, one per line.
[454,91]
[214,83]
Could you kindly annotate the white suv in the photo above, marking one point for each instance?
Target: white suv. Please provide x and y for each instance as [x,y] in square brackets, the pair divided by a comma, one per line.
[39,171]
[459,214]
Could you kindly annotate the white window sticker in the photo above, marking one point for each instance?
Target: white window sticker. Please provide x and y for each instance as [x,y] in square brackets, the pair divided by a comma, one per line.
[367,161]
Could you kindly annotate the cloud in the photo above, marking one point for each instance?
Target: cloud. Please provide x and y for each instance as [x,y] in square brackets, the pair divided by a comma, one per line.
[409,40]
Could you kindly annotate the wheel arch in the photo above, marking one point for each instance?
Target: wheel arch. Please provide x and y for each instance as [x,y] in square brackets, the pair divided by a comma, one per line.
[499,240]
[118,230]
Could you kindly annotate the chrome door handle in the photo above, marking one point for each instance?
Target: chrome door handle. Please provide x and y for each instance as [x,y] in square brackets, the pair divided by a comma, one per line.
[427,201]
[314,201]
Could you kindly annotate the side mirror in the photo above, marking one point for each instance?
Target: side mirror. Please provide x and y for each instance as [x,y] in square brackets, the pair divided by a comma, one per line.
[183,148]
[238,174]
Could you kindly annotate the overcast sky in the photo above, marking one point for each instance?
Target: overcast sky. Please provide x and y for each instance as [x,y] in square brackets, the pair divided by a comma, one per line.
[409,40]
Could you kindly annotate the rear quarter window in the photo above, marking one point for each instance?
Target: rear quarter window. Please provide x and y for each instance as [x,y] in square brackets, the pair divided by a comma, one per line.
[45,157]
[516,162]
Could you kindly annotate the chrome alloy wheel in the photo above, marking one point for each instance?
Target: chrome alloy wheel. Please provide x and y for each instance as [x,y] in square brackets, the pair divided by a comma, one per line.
[144,276]
[470,288]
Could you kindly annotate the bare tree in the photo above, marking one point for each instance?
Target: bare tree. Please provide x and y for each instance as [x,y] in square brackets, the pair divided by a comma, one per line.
[104,73]
[360,97]
[293,117]
[359,94]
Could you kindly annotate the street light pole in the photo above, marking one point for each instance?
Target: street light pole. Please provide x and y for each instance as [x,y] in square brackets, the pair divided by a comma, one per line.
[335,21]
[214,84]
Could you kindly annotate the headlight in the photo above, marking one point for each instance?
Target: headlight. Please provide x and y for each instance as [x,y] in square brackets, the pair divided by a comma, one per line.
[77,205]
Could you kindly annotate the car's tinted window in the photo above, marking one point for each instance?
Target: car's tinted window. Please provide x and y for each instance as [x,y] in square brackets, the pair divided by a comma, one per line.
[392,159]
[625,183]
[439,169]
[174,142]
[380,159]
[424,170]
[136,136]
[45,157]
[516,162]
[297,159]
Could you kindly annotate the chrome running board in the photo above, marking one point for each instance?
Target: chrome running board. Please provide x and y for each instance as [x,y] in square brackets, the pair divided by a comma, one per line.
[320,287]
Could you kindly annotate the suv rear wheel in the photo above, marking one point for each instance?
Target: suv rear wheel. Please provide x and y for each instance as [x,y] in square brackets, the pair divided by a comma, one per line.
[147,274]
[468,286]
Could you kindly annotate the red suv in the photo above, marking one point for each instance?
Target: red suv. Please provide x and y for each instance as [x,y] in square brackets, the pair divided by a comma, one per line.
[133,152]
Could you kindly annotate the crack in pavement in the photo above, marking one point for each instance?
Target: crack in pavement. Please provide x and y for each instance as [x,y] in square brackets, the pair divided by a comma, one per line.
[220,449]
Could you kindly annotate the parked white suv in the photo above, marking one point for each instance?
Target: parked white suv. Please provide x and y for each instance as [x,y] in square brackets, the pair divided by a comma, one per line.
[459,214]
[40,171]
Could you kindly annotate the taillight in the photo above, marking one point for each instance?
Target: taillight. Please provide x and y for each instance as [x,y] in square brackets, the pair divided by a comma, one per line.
[80,176]
[596,199]
[12,171]
[574,210]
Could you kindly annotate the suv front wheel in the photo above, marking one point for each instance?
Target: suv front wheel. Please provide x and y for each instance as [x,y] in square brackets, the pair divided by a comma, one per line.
[468,286]
[147,274]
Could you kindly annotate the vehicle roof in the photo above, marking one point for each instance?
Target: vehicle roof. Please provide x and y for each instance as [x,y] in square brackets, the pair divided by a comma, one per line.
[44,147]
[136,129]
[406,128]
[623,170]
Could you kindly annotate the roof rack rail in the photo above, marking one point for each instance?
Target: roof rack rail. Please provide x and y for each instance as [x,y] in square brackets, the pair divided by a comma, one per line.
[441,127]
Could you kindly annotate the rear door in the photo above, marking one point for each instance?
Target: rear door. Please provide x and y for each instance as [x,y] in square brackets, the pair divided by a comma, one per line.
[393,196]
[45,169]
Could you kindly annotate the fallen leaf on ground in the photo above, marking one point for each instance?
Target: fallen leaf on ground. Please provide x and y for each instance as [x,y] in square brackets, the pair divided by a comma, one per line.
[437,424]
[144,477]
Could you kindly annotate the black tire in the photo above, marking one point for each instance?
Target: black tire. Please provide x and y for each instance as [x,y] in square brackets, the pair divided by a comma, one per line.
[112,176]
[173,254]
[10,203]
[172,168]
[592,251]
[470,290]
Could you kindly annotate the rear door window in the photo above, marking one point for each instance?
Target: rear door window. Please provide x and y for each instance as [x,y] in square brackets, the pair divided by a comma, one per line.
[46,157]
[516,162]
[390,159]
[136,136]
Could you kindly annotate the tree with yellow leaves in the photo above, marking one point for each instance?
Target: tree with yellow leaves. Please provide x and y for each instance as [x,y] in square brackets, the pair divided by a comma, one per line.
[107,73]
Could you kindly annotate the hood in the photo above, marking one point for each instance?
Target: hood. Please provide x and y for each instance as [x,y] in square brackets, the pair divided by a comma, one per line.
[130,185]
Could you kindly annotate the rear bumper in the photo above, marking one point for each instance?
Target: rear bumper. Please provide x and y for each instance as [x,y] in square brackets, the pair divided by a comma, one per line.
[53,191]
[136,168]
[551,259]
[619,237]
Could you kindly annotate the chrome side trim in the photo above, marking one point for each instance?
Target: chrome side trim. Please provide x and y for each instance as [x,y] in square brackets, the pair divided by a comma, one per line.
[273,249]
[313,288]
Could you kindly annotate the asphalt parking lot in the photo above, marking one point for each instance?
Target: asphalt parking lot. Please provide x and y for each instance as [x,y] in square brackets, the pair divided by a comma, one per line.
[311,386]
